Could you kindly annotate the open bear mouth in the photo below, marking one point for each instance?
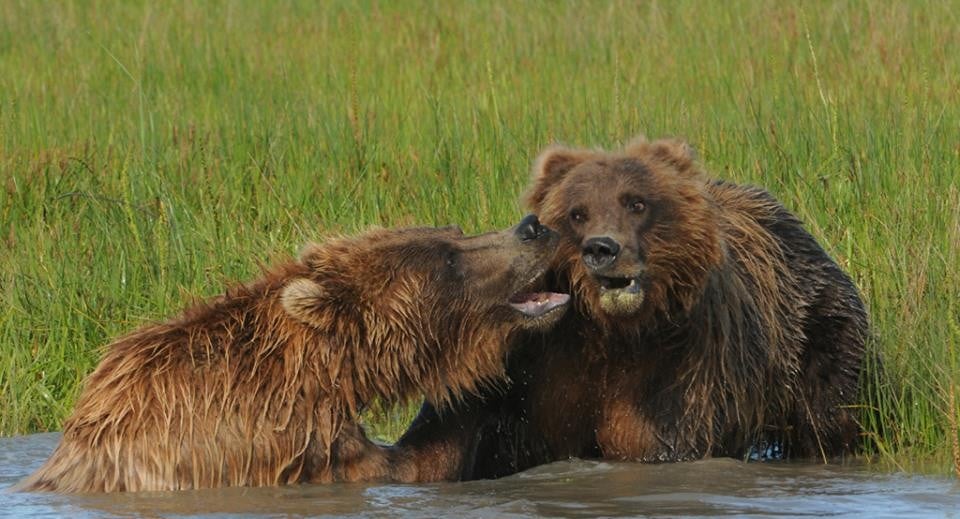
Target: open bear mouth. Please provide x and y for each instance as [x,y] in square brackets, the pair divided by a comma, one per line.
[535,304]
[630,285]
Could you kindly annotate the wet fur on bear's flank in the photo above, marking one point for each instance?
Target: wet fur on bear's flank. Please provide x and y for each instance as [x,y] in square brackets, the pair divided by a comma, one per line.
[743,334]
[264,385]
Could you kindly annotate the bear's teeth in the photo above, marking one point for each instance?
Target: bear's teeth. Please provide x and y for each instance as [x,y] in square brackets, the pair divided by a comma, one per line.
[624,285]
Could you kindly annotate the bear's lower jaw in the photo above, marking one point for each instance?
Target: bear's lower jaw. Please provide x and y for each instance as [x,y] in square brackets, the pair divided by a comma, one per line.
[538,304]
[622,301]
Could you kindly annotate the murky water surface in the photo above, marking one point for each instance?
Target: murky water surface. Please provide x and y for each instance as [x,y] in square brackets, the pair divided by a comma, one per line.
[567,489]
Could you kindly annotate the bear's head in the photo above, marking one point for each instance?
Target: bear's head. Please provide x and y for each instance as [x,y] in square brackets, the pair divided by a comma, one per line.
[427,309]
[639,234]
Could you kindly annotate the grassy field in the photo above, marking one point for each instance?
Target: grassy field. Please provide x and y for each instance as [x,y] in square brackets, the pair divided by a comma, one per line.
[152,154]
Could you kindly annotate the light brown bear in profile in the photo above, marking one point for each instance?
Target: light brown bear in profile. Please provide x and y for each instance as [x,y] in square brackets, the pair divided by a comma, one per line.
[264,385]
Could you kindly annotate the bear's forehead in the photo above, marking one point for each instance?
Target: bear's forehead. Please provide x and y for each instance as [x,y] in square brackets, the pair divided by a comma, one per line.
[415,248]
[388,249]
[606,174]
[413,239]
[412,234]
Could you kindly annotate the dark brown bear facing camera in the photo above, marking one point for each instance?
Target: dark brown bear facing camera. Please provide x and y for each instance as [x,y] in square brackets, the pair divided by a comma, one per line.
[707,321]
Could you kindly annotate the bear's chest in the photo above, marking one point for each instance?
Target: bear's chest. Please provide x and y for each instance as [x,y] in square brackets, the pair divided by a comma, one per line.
[565,394]
[589,397]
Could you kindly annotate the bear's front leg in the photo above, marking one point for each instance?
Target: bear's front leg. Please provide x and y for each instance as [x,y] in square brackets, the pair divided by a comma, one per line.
[437,446]
[352,457]
[648,433]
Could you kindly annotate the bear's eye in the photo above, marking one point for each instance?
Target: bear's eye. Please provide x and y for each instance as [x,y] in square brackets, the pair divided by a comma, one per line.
[451,259]
[637,206]
[578,216]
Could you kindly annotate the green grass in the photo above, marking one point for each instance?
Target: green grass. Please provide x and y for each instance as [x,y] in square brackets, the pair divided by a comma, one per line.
[152,154]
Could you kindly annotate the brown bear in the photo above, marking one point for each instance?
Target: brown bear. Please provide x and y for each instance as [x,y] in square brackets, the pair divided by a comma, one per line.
[707,322]
[264,385]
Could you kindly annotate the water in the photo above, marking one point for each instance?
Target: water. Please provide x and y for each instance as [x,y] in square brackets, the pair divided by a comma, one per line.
[719,487]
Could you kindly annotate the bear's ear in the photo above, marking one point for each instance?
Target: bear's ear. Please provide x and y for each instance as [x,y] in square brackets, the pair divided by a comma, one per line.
[308,302]
[676,153]
[325,304]
[549,169]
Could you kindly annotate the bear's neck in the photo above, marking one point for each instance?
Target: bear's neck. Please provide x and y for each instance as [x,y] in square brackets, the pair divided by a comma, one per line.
[414,361]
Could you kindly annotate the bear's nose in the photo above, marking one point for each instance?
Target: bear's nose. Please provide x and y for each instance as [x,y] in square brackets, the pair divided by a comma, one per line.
[600,252]
[529,228]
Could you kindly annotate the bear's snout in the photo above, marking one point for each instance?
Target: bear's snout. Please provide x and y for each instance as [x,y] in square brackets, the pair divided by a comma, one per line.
[530,228]
[600,252]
